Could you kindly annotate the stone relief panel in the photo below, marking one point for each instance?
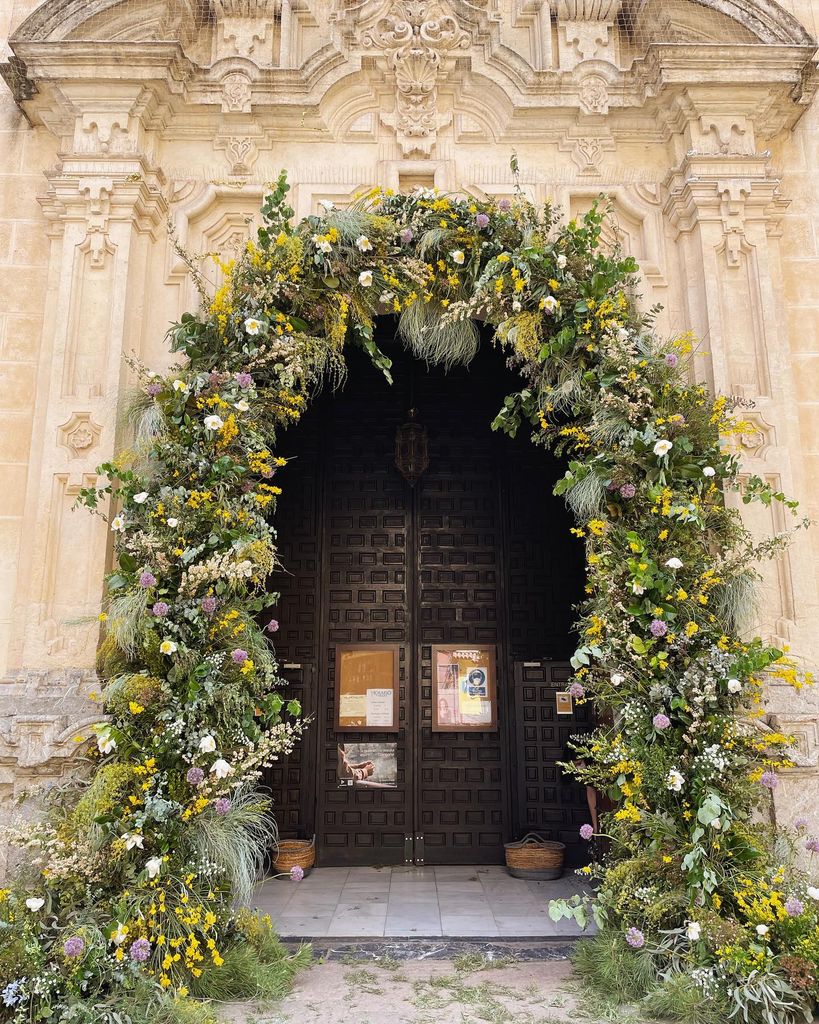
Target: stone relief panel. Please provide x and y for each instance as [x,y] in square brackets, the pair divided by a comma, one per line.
[89,320]
[742,325]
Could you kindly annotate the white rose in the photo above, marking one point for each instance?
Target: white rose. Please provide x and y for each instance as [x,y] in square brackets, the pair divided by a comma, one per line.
[207,744]
[252,325]
[221,769]
[708,471]
[693,930]
[561,261]
[813,892]
[214,422]
[457,256]
[153,866]
[734,686]
[118,522]
[762,929]
[365,278]
[35,903]
[133,839]
[549,303]
[617,679]
[663,447]
[674,563]
[120,934]
[167,647]
[173,523]
[242,405]
[180,385]
[141,498]
[363,243]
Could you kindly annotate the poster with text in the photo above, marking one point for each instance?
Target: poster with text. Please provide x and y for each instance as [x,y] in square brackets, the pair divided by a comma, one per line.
[368,765]
[464,691]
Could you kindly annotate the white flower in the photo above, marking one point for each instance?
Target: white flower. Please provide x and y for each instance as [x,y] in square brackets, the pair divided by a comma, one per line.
[622,334]
[549,303]
[327,205]
[132,839]
[693,930]
[717,824]
[322,244]
[762,929]
[153,866]
[734,686]
[180,385]
[365,278]
[207,744]
[363,243]
[252,325]
[167,647]
[813,892]
[118,522]
[663,447]
[141,498]
[457,256]
[35,903]
[173,523]
[617,679]
[708,471]
[214,422]
[120,934]
[242,405]
[516,306]
[637,588]
[674,563]
[106,743]
[221,769]
[674,780]
[561,261]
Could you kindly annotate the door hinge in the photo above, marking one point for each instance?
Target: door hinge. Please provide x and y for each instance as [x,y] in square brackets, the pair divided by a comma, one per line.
[419,848]
[408,847]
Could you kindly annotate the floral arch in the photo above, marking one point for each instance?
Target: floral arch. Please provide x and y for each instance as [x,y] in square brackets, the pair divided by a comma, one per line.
[128,900]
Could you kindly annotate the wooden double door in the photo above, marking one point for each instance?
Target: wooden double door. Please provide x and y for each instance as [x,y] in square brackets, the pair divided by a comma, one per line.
[476,553]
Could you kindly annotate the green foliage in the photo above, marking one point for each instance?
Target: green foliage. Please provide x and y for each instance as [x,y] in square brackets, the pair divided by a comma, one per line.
[607,964]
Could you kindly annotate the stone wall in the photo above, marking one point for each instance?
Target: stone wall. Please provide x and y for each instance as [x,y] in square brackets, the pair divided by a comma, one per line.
[116,119]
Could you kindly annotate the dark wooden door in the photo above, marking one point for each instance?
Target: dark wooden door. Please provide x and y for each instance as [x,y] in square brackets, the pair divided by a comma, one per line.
[371,560]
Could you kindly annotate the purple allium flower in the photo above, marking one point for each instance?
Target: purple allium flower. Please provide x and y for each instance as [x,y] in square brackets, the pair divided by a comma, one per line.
[800,823]
[794,907]
[658,628]
[769,779]
[247,487]
[504,204]
[222,805]
[214,378]
[612,486]
[628,491]
[140,950]
[153,389]
[406,236]
[273,626]
[812,844]
[209,605]
[239,656]
[74,947]
[147,579]
[577,691]
[482,221]
[296,873]
[244,380]
[661,721]
[160,609]
[671,359]
[635,938]
[586,832]
[195,776]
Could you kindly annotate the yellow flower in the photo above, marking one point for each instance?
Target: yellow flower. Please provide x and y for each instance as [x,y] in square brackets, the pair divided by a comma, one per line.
[134,708]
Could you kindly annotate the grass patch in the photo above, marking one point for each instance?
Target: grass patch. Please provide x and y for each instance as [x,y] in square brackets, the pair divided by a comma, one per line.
[612,968]
[468,963]
[250,971]
[679,999]
[363,980]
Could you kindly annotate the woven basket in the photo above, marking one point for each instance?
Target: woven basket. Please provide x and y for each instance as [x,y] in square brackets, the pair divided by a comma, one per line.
[535,857]
[292,853]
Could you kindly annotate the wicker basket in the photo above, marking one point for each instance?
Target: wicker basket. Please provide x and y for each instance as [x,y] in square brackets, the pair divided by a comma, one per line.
[535,857]
[292,853]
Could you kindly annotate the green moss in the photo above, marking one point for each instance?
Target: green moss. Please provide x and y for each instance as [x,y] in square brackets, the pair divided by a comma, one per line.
[106,793]
[147,691]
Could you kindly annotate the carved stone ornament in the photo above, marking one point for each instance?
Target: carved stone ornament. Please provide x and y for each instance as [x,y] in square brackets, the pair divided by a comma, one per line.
[415,36]
[236,93]
[79,434]
[594,95]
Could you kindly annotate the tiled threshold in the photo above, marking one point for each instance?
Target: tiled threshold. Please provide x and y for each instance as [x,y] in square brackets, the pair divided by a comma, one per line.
[356,904]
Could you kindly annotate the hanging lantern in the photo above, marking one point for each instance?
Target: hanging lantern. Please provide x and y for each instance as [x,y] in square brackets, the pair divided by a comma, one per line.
[411,454]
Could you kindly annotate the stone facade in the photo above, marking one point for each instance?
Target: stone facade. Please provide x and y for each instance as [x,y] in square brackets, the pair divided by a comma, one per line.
[120,119]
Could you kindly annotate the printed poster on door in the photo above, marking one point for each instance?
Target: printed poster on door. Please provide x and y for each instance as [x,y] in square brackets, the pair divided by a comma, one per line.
[464,690]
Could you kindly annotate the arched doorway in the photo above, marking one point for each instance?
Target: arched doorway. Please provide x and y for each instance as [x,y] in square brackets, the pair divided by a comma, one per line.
[476,555]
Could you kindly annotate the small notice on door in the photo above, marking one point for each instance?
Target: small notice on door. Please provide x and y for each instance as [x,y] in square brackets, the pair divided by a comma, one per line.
[379,707]
[353,705]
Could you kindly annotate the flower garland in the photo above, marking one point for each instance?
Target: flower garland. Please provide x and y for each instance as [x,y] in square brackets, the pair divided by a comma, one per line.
[131,880]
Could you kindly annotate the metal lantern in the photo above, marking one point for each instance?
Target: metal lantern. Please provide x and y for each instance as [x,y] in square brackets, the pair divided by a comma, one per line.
[411,453]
